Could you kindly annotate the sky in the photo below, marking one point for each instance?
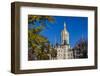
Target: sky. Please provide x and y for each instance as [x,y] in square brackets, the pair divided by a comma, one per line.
[76,26]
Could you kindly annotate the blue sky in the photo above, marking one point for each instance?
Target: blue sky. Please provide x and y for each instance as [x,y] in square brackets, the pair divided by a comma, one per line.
[76,26]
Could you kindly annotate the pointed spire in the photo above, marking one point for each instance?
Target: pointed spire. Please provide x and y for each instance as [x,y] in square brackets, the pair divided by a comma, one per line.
[64,26]
[55,39]
[82,33]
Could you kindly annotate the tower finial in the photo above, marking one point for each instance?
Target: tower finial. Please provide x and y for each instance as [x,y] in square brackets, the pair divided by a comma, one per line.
[64,25]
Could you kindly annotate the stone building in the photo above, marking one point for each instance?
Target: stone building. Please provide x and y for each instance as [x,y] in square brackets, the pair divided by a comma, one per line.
[63,50]
[80,50]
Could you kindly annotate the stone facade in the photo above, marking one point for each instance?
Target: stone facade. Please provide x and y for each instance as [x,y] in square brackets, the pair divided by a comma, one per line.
[63,50]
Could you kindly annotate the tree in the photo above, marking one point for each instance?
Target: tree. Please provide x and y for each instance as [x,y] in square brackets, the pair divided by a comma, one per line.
[41,19]
[53,53]
[35,39]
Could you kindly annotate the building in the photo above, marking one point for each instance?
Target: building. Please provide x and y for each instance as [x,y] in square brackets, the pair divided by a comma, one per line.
[63,50]
[80,50]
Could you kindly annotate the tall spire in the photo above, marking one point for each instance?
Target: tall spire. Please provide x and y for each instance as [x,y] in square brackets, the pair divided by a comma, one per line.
[55,39]
[65,35]
[64,26]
